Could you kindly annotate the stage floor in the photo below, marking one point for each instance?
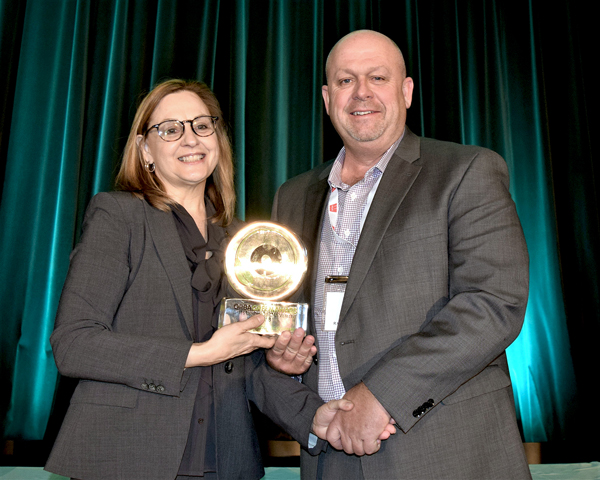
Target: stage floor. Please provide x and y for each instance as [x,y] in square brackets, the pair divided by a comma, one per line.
[560,471]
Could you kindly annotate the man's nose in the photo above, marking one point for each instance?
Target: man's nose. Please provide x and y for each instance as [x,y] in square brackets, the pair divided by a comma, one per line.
[363,89]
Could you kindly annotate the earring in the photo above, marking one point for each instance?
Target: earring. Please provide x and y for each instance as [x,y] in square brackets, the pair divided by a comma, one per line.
[150,167]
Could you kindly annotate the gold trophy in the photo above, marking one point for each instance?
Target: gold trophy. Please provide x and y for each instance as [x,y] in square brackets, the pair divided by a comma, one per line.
[265,263]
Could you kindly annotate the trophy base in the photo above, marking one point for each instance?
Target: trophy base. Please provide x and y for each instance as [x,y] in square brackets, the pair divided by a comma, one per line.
[279,316]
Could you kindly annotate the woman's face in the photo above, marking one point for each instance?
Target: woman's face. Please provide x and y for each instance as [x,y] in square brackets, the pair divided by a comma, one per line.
[182,165]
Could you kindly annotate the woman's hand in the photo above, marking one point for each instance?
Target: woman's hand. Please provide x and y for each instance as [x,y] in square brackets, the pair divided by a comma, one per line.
[229,341]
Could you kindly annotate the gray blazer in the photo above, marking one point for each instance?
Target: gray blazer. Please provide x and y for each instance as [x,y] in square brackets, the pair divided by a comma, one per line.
[124,328]
[436,292]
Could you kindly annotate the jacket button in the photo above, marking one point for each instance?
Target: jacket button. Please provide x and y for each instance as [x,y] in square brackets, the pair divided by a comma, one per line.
[160,388]
[228,367]
[315,360]
[145,386]
[200,421]
[151,387]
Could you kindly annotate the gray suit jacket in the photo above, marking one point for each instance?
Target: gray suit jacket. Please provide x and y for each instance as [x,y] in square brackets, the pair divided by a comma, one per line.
[436,292]
[124,328]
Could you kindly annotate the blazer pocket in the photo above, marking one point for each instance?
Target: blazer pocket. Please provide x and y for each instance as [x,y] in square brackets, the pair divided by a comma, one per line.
[492,378]
[101,393]
[414,233]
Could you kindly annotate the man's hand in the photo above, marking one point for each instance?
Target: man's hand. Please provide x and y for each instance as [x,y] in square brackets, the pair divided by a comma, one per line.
[360,430]
[325,415]
[292,354]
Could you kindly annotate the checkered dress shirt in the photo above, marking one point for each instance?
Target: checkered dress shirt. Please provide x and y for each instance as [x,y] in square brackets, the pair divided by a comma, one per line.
[336,252]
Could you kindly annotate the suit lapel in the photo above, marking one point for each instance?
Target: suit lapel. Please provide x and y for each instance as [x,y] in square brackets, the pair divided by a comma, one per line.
[172,257]
[316,195]
[397,180]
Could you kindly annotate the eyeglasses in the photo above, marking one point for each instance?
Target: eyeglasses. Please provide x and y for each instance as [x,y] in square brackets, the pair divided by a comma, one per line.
[172,130]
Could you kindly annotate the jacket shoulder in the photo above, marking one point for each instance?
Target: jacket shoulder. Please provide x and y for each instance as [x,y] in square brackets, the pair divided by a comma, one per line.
[123,199]
[122,205]
[455,152]
[307,178]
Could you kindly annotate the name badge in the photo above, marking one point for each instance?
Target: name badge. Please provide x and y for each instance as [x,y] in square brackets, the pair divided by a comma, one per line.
[335,287]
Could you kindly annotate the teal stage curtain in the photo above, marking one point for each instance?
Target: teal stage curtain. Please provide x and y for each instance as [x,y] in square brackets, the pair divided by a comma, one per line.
[486,72]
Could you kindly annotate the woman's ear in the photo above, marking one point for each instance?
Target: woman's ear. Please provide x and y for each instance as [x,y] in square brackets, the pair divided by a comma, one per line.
[143,146]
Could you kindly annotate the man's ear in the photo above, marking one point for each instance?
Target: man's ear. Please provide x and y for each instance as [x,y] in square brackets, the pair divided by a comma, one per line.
[407,91]
[325,93]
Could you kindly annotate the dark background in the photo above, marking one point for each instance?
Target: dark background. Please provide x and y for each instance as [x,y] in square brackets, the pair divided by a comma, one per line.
[514,76]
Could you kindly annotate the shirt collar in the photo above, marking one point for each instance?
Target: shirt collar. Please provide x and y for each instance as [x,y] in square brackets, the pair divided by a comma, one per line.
[335,176]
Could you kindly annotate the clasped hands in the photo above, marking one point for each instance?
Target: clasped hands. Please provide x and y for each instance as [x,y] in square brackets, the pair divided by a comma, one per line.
[357,423]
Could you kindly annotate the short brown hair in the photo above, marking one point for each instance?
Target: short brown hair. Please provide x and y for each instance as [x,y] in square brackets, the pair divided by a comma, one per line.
[135,178]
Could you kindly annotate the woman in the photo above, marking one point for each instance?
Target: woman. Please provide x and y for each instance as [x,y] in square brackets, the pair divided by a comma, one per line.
[162,395]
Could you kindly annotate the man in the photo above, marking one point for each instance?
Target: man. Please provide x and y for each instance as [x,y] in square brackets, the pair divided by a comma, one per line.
[419,282]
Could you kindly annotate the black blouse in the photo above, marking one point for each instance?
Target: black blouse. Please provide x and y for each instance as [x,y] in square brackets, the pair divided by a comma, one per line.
[208,287]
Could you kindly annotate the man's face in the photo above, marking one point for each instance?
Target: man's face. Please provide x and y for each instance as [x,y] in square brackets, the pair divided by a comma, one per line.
[367,94]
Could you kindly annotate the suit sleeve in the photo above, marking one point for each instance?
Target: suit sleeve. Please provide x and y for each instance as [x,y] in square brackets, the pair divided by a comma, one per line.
[487,296]
[288,403]
[86,342]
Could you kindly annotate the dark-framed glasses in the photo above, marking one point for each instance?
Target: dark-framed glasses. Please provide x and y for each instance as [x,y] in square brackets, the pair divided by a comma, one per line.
[171,130]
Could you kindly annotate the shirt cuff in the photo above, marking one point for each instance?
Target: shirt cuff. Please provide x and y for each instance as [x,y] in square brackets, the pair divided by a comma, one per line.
[312,440]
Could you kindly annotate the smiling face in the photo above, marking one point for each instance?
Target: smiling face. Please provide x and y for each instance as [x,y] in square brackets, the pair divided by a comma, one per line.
[367,91]
[185,164]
